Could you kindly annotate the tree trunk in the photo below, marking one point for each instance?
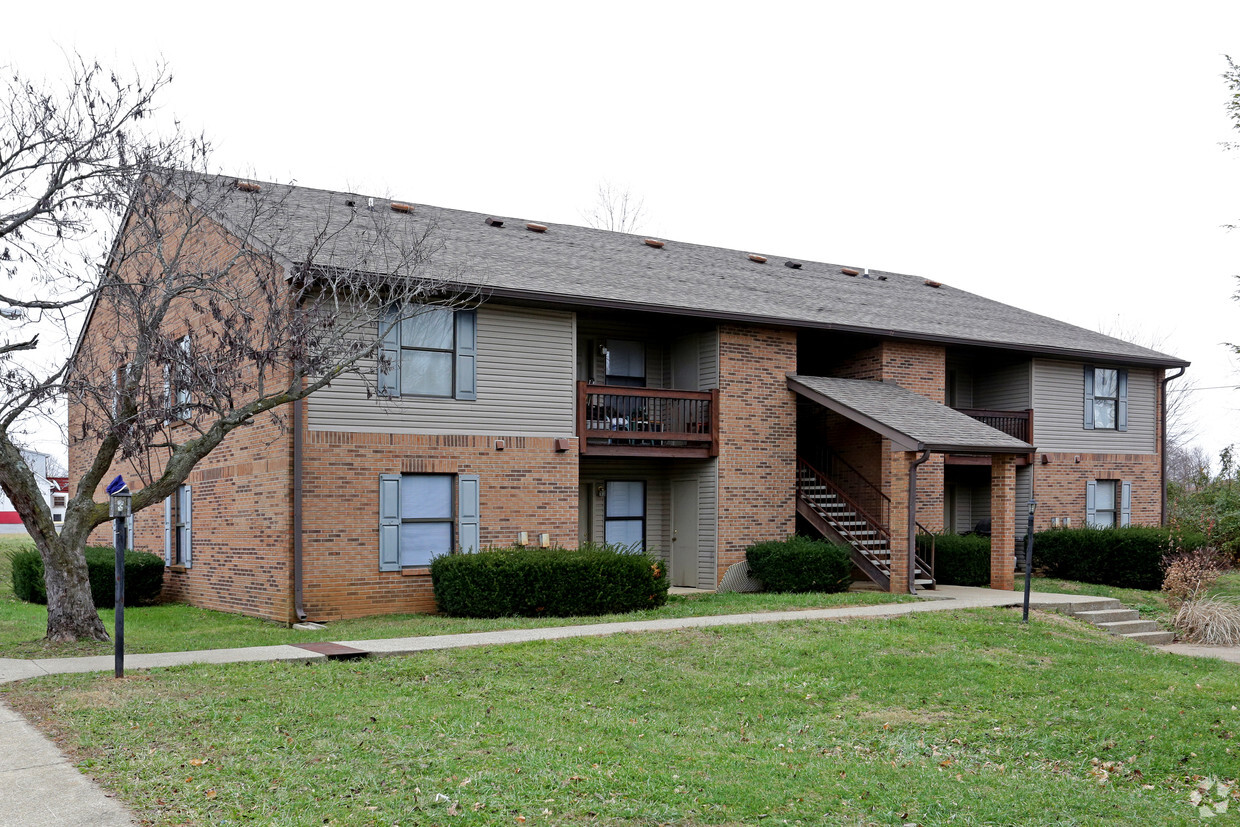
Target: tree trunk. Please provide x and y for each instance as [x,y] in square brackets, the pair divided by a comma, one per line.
[71,613]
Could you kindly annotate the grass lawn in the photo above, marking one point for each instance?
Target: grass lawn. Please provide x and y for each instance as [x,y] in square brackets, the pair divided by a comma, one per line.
[176,627]
[963,718]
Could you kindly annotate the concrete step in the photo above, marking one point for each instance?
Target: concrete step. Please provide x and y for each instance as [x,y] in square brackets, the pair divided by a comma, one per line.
[1109,615]
[1158,638]
[1129,627]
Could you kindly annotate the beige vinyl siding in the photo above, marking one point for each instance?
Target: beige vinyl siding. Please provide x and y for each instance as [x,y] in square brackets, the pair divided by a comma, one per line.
[658,475]
[593,332]
[525,385]
[1005,388]
[708,365]
[1058,404]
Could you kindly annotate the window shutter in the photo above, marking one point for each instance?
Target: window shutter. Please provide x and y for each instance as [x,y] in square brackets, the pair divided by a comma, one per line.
[187,505]
[1091,490]
[168,531]
[129,532]
[469,526]
[1126,504]
[116,391]
[467,354]
[389,522]
[1121,406]
[389,353]
[1089,397]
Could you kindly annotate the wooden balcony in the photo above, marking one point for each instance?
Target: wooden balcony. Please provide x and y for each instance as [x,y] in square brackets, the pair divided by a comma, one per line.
[647,422]
[1013,423]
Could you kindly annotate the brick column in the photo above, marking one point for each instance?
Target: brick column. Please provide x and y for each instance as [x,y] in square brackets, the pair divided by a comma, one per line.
[898,462]
[1002,520]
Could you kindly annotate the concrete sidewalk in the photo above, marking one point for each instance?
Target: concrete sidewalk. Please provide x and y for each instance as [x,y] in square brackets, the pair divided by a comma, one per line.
[43,788]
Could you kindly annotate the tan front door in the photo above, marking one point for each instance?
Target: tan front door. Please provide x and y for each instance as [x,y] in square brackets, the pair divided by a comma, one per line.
[685,533]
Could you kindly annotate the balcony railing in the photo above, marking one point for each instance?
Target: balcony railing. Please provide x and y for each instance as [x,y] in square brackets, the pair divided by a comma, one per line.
[1013,423]
[624,421]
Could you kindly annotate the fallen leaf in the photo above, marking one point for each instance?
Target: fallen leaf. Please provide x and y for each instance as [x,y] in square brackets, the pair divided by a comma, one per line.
[210,793]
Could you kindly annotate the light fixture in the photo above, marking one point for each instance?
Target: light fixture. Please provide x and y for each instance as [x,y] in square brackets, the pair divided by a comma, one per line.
[523,538]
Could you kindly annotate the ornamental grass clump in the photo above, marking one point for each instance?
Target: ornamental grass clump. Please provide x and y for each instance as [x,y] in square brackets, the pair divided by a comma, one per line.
[1214,621]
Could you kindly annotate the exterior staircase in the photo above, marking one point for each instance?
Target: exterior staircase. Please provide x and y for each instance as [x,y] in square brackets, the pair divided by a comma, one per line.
[839,518]
[1118,620]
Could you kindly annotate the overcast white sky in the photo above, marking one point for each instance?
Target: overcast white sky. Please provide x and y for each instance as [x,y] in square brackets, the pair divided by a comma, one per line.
[1063,157]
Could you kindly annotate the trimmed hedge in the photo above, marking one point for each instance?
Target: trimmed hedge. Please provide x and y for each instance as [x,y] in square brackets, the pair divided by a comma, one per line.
[1127,557]
[800,564]
[144,576]
[555,582]
[960,560]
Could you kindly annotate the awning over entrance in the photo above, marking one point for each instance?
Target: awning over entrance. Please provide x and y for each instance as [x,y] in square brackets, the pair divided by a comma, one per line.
[911,421]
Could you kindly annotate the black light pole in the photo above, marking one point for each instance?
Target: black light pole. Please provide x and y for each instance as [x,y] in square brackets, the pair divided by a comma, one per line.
[119,500]
[1028,559]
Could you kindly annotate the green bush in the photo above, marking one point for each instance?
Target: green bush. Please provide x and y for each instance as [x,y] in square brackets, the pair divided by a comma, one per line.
[1128,558]
[800,564]
[959,560]
[144,576]
[555,582]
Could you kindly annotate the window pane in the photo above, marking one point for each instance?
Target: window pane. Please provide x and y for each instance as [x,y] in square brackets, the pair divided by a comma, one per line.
[421,541]
[626,499]
[426,372]
[1104,495]
[626,358]
[1104,413]
[426,495]
[431,327]
[1106,382]
[1104,519]
[624,533]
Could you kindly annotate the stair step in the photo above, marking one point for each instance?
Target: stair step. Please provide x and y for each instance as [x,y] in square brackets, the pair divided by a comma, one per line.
[1159,638]
[1109,615]
[1128,627]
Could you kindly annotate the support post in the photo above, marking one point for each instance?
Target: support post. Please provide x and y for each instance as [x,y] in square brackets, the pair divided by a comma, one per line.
[119,503]
[1028,561]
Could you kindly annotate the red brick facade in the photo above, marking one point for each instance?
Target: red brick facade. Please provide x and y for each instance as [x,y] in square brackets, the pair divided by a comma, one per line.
[1059,486]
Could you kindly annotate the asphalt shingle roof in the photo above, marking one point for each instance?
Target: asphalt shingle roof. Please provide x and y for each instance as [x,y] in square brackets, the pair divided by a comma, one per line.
[587,267]
[907,417]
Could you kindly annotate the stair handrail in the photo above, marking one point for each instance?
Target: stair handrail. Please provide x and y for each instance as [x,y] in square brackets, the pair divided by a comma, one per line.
[864,515]
[921,561]
[884,502]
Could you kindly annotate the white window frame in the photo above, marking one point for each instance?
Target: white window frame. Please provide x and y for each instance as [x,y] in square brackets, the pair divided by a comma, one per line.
[179,527]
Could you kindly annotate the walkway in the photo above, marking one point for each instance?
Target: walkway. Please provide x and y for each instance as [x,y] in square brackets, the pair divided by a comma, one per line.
[43,788]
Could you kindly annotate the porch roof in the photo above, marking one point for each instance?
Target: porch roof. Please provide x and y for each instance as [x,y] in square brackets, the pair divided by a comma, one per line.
[910,420]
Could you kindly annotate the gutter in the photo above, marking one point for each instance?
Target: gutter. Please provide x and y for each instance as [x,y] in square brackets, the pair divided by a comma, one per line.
[912,520]
[1163,452]
[298,609]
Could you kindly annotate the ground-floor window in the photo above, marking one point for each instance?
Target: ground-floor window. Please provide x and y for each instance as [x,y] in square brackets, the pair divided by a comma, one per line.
[424,516]
[624,514]
[178,527]
[1108,503]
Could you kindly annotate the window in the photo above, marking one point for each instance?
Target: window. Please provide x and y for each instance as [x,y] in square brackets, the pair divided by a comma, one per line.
[1108,503]
[178,528]
[624,515]
[428,351]
[178,379]
[626,363]
[423,516]
[1106,399]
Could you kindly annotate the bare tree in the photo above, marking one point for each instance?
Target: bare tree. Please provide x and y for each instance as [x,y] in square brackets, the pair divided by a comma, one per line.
[219,301]
[616,209]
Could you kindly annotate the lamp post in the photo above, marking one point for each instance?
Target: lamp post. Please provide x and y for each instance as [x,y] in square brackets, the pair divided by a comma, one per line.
[119,508]
[1028,558]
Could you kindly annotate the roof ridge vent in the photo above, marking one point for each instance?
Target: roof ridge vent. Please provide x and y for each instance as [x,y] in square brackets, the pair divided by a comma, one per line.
[655,243]
[794,265]
[932,283]
[398,206]
[754,257]
[246,186]
[536,228]
[848,271]
[494,222]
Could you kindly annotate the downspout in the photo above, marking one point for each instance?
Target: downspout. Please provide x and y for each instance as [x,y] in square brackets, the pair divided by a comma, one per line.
[298,609]
[1163,452]
[912,520]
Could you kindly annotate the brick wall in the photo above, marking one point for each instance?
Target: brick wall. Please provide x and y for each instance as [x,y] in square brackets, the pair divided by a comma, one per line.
[528,486]
[1059,486]
[757,432]
[1002,521]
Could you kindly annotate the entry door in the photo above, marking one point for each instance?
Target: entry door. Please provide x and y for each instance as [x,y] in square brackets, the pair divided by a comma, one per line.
[685,533]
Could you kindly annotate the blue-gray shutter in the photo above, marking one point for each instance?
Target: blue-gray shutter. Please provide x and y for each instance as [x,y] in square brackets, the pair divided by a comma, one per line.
[467,354]
[188,518]
[1089,397]
[389,522]
[1125,517]
[1091,490]
[168,531]
[468,521]
[389,353]
[1121,406]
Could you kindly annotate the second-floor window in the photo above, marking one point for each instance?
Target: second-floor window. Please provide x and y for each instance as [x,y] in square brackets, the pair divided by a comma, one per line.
[1106,399]
[626,363]
[428,351]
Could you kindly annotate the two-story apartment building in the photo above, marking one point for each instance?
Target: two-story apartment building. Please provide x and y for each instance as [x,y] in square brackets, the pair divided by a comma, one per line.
[684,399]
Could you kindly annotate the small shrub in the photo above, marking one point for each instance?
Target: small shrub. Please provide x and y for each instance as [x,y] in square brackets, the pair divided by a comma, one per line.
[1214,621]
[800,564]
[555,582]
[960,560]
[144,576]
[1189,573]
[1129,557]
